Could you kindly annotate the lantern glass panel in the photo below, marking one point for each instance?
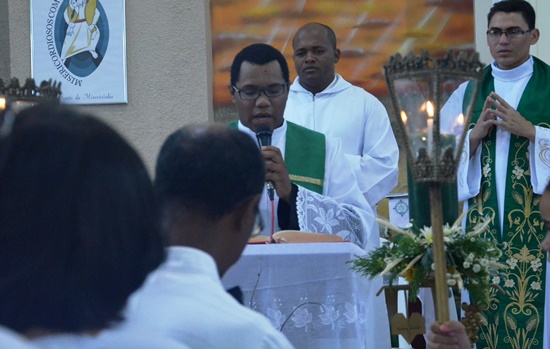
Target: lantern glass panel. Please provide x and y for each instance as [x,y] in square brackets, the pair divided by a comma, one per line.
[435,114]
[412,95]
[456,94]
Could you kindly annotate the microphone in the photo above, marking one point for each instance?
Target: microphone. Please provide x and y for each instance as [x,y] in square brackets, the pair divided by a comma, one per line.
[263,135]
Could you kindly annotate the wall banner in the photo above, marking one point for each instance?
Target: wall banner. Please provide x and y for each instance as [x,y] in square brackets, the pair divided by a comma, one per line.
[82,44]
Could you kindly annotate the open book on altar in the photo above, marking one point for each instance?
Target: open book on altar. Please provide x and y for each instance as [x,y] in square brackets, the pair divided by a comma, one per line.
[294,236]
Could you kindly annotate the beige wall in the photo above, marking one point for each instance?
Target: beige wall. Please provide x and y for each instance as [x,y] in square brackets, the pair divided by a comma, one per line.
[168,65]
[541,49]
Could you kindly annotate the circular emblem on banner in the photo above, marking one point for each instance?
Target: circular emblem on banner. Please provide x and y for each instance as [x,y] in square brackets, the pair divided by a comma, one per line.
[401,207]
[81,35]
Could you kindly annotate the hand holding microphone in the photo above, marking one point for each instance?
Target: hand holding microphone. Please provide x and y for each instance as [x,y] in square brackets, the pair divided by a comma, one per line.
[276,171]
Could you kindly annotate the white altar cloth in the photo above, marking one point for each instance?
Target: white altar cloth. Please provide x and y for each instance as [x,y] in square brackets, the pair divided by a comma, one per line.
[310,293]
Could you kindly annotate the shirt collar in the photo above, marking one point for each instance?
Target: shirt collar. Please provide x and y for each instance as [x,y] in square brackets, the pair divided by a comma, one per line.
[296,85]
[524,70]
[276,136]
[191,260]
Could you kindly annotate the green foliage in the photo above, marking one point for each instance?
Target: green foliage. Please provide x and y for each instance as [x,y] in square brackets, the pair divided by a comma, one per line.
[471,260]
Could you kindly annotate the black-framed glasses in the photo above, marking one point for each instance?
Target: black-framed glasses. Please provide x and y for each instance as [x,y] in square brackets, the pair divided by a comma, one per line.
[250,93]
[513,33]
[258,226]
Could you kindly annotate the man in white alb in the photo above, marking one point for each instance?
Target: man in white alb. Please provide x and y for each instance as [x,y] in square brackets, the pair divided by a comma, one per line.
[322,100]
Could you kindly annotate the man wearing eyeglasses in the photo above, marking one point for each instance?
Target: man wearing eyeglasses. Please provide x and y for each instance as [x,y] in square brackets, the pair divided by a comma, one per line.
[316,190]
[315,187]
[505,165]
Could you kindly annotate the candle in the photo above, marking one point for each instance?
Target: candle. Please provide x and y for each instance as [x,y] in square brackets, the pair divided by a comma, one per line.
[430,111]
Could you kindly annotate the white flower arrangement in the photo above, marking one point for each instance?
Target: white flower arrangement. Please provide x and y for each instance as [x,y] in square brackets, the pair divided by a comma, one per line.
[472,261]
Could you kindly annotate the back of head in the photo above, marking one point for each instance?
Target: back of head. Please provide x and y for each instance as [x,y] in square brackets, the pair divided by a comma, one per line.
[79,228]
[207,170]
[527,11]
[258,54]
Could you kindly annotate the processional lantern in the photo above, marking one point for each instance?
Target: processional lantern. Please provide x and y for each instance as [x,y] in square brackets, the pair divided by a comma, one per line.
[14,97]
[431,134]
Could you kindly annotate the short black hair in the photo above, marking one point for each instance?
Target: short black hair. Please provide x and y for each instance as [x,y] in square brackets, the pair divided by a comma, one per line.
[258,54]
[330,33]
[208,170]
[79,225]
[527,11]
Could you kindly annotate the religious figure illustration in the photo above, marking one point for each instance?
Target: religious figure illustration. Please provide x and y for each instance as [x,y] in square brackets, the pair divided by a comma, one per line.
[82,32]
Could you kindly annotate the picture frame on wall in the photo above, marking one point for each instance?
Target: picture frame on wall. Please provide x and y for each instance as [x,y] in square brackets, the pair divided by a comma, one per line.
[82,44]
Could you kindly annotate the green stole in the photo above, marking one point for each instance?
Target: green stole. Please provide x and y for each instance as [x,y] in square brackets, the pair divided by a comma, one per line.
[304,156]
[514,319]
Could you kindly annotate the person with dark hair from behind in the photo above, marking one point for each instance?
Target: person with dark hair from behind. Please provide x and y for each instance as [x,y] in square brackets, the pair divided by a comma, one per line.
[452,335]
[315,188]
[208,181]
[79,231]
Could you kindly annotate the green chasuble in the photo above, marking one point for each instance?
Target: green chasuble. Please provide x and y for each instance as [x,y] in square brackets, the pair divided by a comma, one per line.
[304,156]
[514,319]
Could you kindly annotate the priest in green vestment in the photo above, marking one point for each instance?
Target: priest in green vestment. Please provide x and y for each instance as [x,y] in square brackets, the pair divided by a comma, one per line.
[315,189]
[504,167]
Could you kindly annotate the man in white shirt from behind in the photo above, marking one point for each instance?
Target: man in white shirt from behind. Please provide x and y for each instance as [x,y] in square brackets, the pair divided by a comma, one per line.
[209,180]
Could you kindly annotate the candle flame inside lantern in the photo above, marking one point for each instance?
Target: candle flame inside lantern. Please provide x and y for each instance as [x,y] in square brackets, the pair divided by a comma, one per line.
[460,119]
[430,109]
[403,117]
[430,124]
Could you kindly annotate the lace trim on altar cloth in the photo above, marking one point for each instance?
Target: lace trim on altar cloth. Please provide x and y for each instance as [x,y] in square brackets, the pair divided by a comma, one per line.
[322,214]
[334,314]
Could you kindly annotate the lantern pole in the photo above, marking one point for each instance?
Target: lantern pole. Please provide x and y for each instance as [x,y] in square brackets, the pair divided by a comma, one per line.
[433,152]
[441,288]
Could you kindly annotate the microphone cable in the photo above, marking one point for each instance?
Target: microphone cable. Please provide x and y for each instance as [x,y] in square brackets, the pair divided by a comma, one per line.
[272,218]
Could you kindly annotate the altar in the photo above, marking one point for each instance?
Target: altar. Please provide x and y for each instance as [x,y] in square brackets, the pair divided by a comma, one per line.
[309,292]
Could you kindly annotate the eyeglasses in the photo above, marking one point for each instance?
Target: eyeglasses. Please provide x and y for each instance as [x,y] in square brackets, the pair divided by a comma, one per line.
[258,226]
[249,93]
[511,34]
